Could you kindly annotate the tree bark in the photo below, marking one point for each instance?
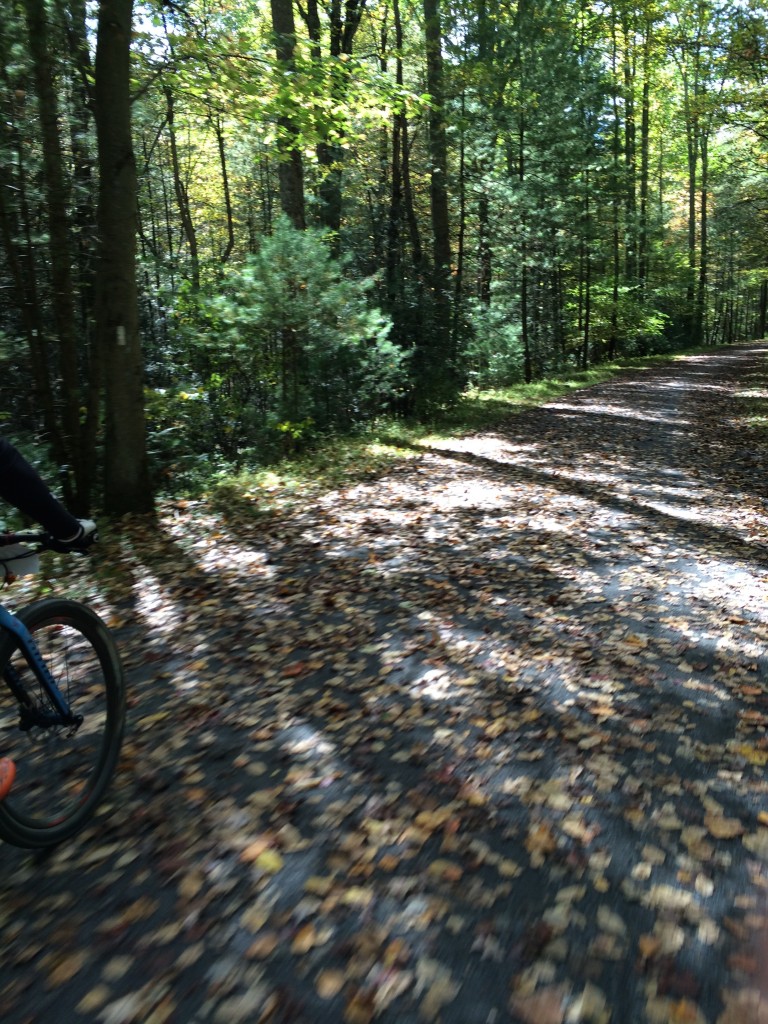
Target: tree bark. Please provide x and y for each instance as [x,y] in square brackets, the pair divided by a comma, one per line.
[701,292]
[439,363]
[77,487]
[291,168]
[126,477]
[344,21]
[438,147]
[216,120]
[180,189]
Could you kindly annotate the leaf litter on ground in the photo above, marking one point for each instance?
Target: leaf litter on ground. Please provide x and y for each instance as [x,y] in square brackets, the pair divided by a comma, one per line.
[481,739]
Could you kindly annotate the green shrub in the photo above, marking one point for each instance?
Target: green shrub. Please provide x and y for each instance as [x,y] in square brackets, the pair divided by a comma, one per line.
[283,348]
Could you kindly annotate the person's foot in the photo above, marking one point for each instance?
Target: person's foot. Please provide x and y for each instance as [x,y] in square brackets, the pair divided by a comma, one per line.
[7,775]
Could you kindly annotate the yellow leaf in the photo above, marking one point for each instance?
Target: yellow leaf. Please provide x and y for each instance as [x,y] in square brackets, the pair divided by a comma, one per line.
[94,999]
[723,828]
[329,983]
[540,839]
[357,896]
[270,862]
[685,1012]
[433,819]
[445,869]
[752,754]
[319,886]
[508,868]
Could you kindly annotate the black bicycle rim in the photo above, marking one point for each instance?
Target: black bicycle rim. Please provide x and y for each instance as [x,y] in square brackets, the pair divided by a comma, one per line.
[62,772]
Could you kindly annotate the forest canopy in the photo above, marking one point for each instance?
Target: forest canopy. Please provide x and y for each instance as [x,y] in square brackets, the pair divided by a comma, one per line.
[228,228]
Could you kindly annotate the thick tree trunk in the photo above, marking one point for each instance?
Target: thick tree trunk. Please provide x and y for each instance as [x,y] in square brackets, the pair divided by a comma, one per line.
[291,168]
[126,477]
[77,488]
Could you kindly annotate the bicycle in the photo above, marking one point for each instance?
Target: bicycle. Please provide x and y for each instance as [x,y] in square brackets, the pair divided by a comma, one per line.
[62,708]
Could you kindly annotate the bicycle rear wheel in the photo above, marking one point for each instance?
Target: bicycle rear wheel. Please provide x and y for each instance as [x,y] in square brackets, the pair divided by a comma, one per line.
[62,771]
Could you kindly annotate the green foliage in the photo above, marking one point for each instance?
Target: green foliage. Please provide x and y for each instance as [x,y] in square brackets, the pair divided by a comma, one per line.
[632,321]
[282,349]
[494,352]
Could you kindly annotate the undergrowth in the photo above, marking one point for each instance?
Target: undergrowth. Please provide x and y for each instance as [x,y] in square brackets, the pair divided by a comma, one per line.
[340,462]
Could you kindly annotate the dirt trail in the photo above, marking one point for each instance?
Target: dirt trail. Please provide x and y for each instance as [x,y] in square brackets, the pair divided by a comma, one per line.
[481,741]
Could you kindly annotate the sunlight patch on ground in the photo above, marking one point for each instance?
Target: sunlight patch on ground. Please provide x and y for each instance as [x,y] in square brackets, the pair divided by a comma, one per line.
[489,446]
[678,511]
[622,411]
[434,684]
[235,556]
[155,604]
[739,590]
[306,742]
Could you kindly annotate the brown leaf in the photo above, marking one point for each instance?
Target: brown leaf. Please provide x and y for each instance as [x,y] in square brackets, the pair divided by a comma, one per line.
[547,1006]
[539,842]
[263,946]
[746,1006]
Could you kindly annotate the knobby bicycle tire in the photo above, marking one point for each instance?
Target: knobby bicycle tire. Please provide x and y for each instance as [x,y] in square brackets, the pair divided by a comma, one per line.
[62,773]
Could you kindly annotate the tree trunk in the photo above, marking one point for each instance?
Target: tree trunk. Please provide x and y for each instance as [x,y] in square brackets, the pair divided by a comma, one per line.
[630,151]
[180,189]
[75,16]
[216,120]
[458,281]
[76,489]
[484,251]
[701,293]
[645,136]
[291,168]
[615,205]
[439,364]
[395,218]
[16,222]
[126,477]
[438,148]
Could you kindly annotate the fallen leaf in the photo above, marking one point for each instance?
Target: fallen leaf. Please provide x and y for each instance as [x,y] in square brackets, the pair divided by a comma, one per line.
[329,983]
[546,1006]
[723,828]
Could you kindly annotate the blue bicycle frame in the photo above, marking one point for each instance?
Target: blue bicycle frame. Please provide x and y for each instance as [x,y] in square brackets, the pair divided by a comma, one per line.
[30,714]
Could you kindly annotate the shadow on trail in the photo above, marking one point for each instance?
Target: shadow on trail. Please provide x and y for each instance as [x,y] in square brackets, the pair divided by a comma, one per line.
[445,736]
